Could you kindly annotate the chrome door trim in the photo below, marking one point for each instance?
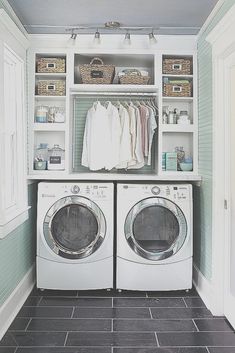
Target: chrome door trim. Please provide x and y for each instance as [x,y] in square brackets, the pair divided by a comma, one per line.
[58,248]
[162,202]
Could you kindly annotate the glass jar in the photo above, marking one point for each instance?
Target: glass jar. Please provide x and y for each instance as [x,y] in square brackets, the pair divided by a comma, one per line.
[41,114]
[40,157]
[183,117]
[171,117]
[56,158]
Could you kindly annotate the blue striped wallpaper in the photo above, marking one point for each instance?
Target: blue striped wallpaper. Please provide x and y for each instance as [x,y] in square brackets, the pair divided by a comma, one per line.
[17,250]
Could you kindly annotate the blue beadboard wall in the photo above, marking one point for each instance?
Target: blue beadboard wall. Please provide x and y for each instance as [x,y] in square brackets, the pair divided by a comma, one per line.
[17,250]
[203,195]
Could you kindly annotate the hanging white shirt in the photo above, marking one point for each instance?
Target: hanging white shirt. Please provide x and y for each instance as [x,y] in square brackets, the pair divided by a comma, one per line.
[125,139]
[96,141]
[115,135]
[152,125]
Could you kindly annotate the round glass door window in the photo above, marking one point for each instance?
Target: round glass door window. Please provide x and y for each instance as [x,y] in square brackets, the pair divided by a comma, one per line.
[155,228]
[74,227]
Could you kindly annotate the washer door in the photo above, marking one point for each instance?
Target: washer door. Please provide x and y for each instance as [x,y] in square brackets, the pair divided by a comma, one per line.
[74,227]
[155,228]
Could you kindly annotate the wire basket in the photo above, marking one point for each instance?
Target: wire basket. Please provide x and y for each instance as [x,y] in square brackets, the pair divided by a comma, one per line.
[97,73]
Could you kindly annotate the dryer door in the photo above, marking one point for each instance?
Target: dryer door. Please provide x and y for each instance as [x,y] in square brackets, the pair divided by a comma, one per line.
[74,227]
[155,228]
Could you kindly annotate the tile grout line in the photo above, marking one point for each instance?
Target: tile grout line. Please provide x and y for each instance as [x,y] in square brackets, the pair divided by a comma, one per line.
[72,313]
[195,325]
[66,338]
[39,301]
[155,333]
[30,319]
[185,302]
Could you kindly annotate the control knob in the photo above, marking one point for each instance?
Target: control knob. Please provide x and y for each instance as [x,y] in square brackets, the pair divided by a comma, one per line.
[155,190]
[75,189]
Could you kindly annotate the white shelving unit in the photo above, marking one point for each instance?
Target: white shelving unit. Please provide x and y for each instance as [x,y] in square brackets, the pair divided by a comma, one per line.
[168,136]
[179,135]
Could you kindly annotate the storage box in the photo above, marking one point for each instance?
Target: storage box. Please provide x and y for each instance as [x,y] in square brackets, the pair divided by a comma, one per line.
[171,161]
[51,88]
[177,66]
[51,65]
[177,89]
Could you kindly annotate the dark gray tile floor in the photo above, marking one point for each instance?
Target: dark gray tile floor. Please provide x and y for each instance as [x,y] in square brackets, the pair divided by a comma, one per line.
[113,322]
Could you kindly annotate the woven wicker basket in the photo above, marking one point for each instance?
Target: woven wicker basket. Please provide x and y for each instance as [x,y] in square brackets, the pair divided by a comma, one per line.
[51,65]
[97,73]
[183,89]
[134,79]
[177,66]
[51,88]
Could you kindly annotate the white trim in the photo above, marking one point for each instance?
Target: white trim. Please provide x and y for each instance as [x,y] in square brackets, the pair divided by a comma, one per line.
[7,22]
[210,17]
[203,287]
[14,302]
[7,7]
[223,45]
[218,32]
[7,228]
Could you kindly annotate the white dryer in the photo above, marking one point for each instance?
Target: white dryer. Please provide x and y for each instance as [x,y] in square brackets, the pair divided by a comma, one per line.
[75,235]
[154,237]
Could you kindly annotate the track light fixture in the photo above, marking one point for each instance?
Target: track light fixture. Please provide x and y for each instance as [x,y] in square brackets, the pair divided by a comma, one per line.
[152,38]
[127,39]
[97,39]
[113,27]
[72,39]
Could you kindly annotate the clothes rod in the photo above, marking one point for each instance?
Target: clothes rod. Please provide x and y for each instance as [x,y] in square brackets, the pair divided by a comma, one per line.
[113,94]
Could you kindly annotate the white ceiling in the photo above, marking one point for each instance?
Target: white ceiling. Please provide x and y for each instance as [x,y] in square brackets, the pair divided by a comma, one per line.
[170,16]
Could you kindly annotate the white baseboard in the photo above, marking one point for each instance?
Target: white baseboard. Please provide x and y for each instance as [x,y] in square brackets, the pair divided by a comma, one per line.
[203,287]
[13,304]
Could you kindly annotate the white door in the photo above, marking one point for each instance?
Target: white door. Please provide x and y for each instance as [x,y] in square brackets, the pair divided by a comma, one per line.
[229,275]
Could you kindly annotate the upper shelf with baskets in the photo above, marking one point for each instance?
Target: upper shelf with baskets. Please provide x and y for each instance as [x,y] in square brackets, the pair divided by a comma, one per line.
[119,69]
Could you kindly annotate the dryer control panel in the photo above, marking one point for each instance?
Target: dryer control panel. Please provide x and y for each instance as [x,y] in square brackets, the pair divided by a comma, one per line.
[175,192]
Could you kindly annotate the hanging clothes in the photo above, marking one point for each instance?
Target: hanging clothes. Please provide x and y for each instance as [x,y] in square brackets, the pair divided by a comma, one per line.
[96,152]
[125,138]
[119,136]
[115,131]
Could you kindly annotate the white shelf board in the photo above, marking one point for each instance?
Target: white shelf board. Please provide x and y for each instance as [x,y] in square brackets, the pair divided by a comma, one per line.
[49,126]
[177,76]
[48,98]
[50,74]
[175,99]
[59,175]
[177,128]
[80,88]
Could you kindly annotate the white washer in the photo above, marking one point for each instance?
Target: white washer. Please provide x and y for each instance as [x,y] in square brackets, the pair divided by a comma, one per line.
[154,237]
[75,235]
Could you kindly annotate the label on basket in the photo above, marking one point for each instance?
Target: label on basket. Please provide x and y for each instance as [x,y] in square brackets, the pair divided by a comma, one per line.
[176,89]
[97,74]
[51,87]
[55,160]
[177,67]
[50,65]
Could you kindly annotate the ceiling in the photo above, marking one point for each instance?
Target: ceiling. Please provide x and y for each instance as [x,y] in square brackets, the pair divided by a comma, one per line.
[168,16]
